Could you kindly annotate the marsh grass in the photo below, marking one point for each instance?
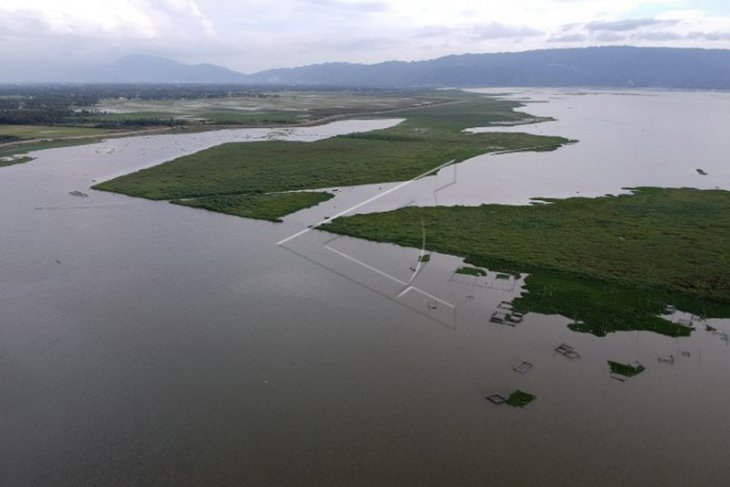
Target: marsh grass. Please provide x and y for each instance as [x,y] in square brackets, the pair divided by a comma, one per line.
[431,137]
[271,206]
[670,238]
[19,152]
[609,263]
[48,131]
[601,307]
[520,399]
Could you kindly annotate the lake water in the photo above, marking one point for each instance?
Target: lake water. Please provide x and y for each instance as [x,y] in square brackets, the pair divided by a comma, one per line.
[143,343]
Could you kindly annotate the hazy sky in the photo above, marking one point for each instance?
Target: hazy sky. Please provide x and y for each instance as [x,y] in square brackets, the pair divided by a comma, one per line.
[250,35]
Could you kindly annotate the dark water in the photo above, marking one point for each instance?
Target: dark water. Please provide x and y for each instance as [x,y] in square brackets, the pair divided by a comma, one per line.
[143,343]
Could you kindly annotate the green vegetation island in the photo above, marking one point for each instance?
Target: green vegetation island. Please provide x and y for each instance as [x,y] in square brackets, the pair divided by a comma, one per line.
[18,153]
[609,264]
[625,370]
[520,399]
[225,178]
[35,117]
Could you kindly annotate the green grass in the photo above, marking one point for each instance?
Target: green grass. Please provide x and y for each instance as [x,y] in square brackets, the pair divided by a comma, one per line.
[270,108]
[12,160]
[127,116]
[671,238]
[609,263]
[625,369]
[286,166]
[601,307]
[18,152]
[238,117]
[471,271]
[48,131]
[217,117]
[4,139]
[394,154]
[520,399]
[466,111]
[269,207]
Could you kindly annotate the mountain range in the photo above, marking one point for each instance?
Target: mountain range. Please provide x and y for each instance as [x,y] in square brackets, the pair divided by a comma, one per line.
[588,67]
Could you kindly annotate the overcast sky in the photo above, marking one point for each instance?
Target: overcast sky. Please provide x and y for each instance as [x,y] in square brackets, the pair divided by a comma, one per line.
[251,35]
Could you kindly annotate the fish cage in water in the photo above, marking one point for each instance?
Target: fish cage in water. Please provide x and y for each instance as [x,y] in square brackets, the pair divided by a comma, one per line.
[497,398]
[567,351]
[523,367]
[505,315]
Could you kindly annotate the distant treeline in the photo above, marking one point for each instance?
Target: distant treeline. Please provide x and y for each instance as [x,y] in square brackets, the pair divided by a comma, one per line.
[74,104]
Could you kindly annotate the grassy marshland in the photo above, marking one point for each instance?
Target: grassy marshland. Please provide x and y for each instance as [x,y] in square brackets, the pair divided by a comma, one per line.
[270,206]
[17,154]
[429,137]
[610,263]
[668,238]
[520,399]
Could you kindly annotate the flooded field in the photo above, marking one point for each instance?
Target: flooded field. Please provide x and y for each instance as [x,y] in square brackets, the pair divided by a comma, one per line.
[143,343]
[287,106]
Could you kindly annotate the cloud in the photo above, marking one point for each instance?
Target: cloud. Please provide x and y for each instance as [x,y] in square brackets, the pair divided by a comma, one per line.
[626,25]
[119,19]
[669,29]
[493,30]
[609,37]
[496,30]
[434,31]
[658,36]
[709,36]
[567,38]
[366,6]
[683,28]
[358,43]
[250,35]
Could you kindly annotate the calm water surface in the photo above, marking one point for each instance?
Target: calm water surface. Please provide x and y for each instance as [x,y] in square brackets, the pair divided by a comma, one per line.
[143,343]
